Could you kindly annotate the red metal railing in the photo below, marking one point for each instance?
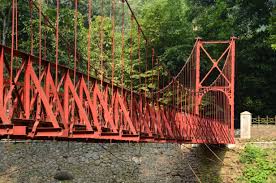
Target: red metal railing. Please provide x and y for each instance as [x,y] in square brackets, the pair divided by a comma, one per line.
[34,107]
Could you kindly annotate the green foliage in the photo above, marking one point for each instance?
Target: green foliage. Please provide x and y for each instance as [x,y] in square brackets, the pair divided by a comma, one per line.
[252,23]
[101,27]
[251,154]
[169,31]
[272,29]
[259,165]
[171,27]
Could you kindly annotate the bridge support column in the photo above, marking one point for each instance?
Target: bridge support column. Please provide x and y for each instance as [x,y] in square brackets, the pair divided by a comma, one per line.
[246,119]
[197,81]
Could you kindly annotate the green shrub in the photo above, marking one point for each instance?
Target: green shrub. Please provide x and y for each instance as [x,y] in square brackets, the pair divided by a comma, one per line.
[251,153]
[258,165]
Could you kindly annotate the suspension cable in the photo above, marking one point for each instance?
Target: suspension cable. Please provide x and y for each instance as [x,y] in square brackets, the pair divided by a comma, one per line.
[131,65]
[137,22]
[139,55]
[146,69]
[16,24]
[40,38]
[123,46]
[101,44]
[16,29]
[57,41]
[45,36]
[75,39]
[89,41]
[152,66]
[31,24]
[12,46]
[113,46]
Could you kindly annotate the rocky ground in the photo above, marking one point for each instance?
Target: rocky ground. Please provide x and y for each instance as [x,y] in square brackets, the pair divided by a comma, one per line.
[129,163]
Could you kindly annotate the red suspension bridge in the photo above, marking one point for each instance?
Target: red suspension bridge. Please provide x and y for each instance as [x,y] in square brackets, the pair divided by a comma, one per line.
[41,99]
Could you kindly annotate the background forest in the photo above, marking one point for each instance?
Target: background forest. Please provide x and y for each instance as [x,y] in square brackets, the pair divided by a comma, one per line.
[171,27]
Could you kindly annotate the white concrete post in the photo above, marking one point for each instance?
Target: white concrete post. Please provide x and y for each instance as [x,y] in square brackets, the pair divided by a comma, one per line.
[246,120]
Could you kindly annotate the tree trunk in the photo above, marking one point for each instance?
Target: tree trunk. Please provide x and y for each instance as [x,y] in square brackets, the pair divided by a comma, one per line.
[6,22]
[3,32]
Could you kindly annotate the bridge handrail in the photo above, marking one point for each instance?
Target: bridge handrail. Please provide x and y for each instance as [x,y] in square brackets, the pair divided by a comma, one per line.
[24,55]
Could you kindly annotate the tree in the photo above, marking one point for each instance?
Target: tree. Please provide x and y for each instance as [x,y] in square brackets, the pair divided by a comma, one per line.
[248,20]
[272,29]
[169,31]
[5,14]
[170,27]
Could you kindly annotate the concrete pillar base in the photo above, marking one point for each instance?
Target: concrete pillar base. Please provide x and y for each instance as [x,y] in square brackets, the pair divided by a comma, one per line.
[246,119]
[230,146]
[195,145]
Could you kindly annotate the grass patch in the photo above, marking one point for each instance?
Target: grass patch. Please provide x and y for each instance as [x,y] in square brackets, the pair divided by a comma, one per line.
[259,165]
